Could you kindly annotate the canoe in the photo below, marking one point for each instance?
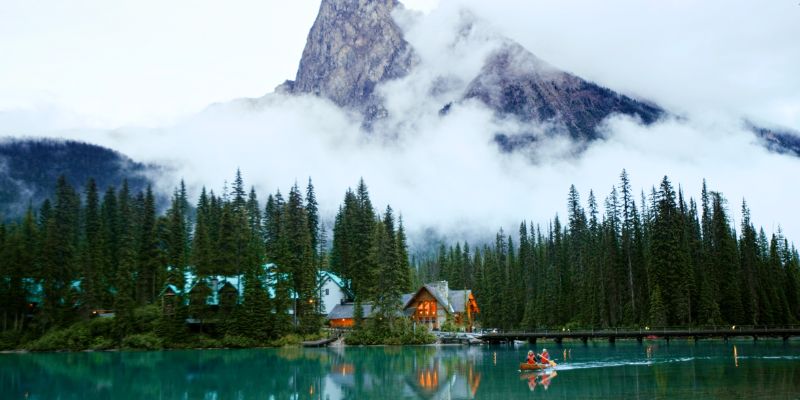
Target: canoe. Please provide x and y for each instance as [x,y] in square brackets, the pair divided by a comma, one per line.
[532,367]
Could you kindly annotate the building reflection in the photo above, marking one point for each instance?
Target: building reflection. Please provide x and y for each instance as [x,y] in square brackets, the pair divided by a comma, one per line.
[441,381]
[430,375]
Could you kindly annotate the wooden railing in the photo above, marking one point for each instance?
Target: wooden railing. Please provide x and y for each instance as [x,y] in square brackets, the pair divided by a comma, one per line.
[782,331]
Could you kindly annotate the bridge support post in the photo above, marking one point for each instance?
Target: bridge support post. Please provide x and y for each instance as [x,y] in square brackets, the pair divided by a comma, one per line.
[639,339]
[785,338]
[612,339]
[584,339]
[558,340]
[532,340]
[755,338]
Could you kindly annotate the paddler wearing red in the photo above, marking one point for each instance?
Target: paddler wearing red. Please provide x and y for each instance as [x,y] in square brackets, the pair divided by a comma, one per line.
[531,357]
[545,356]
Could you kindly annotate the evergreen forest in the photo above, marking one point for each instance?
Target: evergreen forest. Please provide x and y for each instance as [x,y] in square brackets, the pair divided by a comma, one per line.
[663,260]
[657,260]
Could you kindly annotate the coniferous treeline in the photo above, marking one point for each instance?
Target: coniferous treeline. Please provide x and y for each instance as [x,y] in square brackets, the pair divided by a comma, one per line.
[84,252]
[660,261]
[665,261]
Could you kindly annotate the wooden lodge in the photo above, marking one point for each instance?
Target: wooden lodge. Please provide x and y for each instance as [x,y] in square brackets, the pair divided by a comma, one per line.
[213,294]
[431,305]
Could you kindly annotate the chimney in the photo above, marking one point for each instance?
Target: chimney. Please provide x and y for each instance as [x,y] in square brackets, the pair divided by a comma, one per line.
[443,289]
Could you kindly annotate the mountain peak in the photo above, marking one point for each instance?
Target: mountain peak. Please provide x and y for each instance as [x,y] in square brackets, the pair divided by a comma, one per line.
[353,46]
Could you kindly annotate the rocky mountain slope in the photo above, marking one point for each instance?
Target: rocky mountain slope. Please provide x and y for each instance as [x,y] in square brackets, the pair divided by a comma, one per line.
[353,46]
[514,81]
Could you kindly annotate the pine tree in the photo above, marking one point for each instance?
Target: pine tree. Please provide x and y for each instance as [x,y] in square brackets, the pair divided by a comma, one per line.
[670,259]
[149,278]
[726,262]
[299,262]
[92,250]
[59,255]
[177,241]
[124,289]
[401,247]
[312,213]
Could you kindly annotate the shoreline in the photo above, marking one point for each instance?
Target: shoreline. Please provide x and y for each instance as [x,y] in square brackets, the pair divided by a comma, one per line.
[343,345]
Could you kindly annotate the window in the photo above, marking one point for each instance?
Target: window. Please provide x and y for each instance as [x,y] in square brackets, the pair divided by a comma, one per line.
[327,292]
[426,310]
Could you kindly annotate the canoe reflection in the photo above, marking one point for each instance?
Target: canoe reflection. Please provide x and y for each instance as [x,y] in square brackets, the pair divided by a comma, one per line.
[534,379]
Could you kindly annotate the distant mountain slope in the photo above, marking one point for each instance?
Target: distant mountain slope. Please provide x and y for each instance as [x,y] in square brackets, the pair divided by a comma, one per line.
[29,170]
[515,82]
[779,141]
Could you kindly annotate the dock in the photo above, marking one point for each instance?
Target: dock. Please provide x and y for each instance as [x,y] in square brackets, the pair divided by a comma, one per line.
[725,333]
[319,343]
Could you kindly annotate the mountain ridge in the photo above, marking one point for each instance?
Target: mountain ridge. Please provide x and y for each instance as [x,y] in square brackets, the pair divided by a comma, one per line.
[355,45]
[29,169]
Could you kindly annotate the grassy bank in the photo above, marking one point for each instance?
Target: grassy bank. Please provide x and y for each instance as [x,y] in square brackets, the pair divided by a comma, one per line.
[148,333]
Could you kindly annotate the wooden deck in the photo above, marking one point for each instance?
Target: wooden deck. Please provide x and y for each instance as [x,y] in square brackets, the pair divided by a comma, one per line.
[319,343]
[782,332]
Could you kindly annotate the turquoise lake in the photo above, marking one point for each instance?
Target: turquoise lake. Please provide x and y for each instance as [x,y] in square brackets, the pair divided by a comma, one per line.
[654,369]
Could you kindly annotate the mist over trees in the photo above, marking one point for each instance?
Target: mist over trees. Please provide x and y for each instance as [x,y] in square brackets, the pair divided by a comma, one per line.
[650,259]
[655,259]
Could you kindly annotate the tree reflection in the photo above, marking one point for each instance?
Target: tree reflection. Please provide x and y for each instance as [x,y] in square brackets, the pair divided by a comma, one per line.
[405,372]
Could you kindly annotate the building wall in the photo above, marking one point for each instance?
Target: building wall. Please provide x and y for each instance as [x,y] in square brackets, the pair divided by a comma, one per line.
[433,322]
[342,323]
[334,296]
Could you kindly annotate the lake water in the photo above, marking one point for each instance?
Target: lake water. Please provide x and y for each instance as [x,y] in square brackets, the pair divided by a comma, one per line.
[678,370]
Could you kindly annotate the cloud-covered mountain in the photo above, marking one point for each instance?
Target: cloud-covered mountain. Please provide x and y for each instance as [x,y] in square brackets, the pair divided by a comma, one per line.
[467,130]
[356,45]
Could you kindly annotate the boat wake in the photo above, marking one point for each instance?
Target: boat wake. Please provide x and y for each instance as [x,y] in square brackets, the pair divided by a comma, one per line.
[621,363]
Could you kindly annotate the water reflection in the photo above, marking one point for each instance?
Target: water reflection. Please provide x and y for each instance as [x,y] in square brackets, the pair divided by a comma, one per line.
[423,373]
[541,379]
[624,371]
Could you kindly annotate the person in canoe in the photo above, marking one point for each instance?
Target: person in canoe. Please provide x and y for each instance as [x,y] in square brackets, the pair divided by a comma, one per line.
[544,358]
[531,357]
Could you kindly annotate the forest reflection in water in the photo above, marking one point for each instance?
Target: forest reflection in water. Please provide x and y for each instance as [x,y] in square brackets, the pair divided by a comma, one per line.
[704,370]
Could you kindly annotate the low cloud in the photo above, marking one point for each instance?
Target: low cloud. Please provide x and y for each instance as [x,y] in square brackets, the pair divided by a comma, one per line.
[447,173]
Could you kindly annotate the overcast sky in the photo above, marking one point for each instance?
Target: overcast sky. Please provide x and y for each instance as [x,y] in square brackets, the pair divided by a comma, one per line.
[116,67]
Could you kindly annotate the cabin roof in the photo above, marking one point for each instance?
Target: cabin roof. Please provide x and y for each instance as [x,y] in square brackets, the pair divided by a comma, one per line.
[444,301]
[459,299]
[347,311]
[456,301]
[324,276]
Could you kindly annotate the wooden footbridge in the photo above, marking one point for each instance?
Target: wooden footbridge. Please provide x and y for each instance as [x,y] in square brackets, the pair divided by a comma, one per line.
[584,335]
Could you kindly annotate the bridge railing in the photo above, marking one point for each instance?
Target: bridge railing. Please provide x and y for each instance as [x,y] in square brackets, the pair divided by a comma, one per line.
[656,331]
